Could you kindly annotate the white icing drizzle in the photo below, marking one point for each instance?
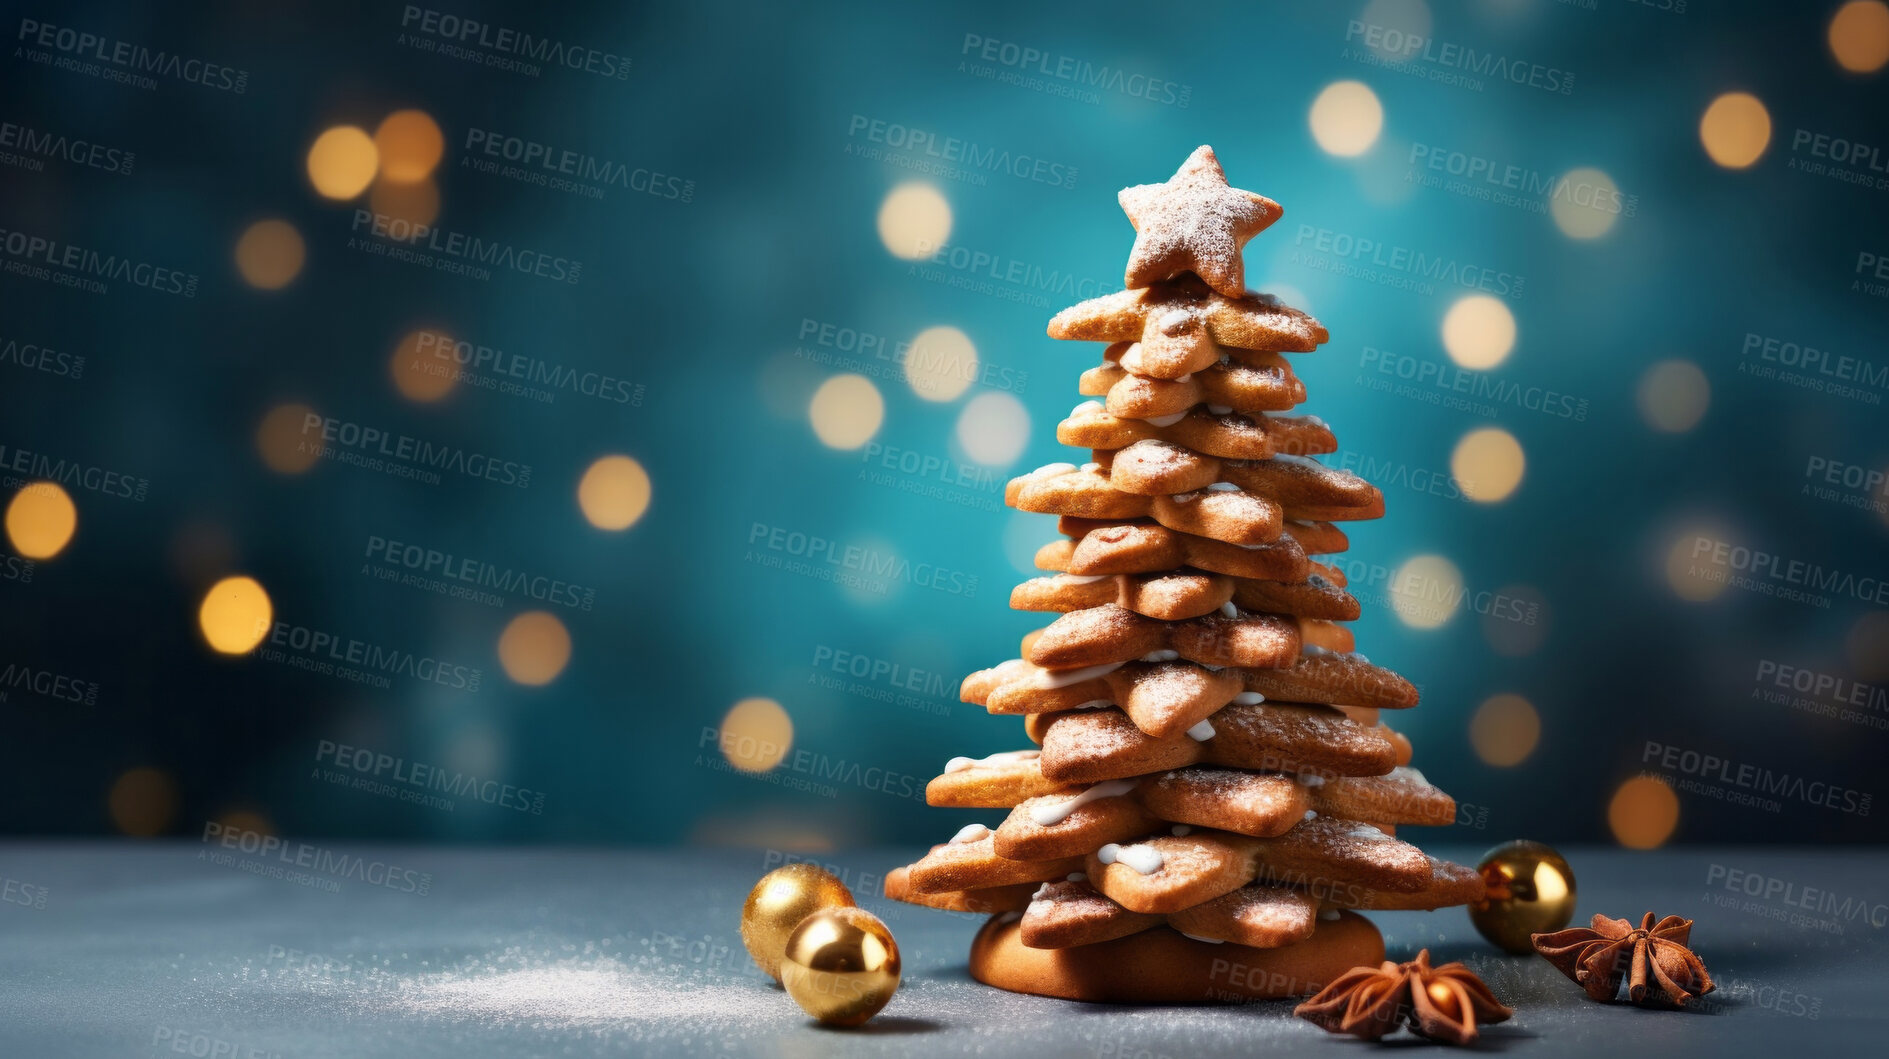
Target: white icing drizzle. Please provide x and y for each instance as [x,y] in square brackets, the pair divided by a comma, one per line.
[1077,876]
[1166,421]
[1310,779]
[1163,655]
[1062,678]
[1310,814]
[1229,609]
[1196,937]
[1209,668]
[1052,813]
[1328,914]
[970,833]
[1093,704]
[1144,859]
[1180,830]
[1201,732]
[1185,377]
[1085,579]
[1220,409]
[1298,460]
[959,764]
[1223,487]
[1248,698]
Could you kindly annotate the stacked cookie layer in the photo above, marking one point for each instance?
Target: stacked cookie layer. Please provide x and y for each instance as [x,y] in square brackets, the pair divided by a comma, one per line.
[1212,786]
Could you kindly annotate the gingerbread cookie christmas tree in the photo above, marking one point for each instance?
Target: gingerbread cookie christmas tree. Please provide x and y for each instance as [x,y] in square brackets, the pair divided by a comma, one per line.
[1213,796]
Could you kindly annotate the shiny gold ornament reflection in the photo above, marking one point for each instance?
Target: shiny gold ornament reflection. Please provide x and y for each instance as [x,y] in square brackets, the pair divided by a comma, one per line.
[778,903]
[841,966]
[1530,890]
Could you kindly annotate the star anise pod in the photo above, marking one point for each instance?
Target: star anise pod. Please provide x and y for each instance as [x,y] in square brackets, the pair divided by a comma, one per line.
[1442,1003]
[1653,958]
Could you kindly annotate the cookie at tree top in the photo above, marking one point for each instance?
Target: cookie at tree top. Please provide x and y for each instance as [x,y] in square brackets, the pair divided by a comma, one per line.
[1194,222]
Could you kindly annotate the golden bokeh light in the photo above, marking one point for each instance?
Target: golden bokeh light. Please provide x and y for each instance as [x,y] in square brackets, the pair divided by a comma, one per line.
[418,373]
[1867,646]
[534,648]
[1488,464]
[846,411]
[246,820]
[914,221]
[1673,396]
[1346,118]
[1735,130]
[941,363]
[1586,203]
[1505,730]
[614,493]
[993,429]
[270,254]
[410,146]
[235,615]
[417,204]
[41,519]
[1478,331]
[1859,36]
[1693,576]
[142,802]
[342,162]
[281,440]
[756,734]
[1643,813]
[1425,591]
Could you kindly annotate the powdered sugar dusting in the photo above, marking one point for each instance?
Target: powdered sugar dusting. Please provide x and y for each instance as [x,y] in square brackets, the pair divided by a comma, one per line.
[558,994]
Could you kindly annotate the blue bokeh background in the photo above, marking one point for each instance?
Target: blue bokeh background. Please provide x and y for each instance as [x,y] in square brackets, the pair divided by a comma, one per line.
[702,305]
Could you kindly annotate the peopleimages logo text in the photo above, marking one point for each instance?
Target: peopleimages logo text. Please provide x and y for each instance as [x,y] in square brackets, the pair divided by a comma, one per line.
[137,58]
[1713,768]
[466,247]
[1414,48]
[93,264]
[374,440]
[503,40]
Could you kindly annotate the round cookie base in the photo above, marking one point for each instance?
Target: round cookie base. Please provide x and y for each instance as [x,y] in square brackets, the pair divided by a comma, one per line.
[1163,966]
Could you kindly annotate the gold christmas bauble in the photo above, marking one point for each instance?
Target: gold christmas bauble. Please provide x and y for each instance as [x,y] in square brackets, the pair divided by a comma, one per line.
[778,903]
[1530,890]
[841,966]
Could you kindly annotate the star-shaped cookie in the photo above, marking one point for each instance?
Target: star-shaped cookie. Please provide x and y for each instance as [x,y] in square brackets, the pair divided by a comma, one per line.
[1194,223]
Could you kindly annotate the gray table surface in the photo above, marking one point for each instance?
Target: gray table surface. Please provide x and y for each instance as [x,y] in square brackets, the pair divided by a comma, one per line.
[164,949]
